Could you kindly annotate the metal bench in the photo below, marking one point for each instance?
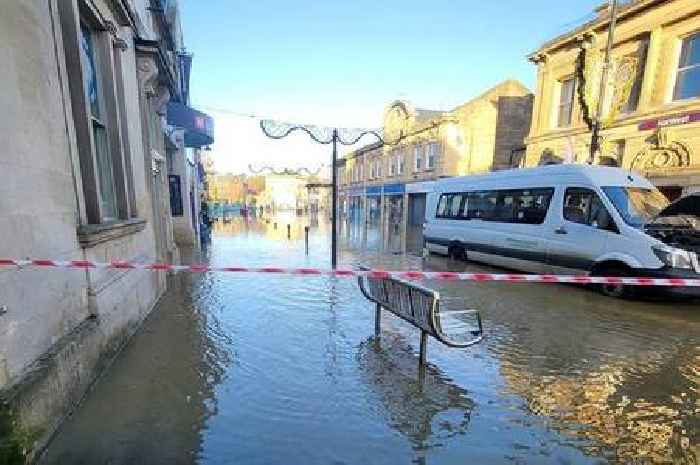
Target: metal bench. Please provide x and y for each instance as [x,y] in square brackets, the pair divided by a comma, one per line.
[420,306]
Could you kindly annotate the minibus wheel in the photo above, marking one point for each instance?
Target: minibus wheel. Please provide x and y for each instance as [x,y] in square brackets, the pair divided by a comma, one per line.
[457,252]
[617,291]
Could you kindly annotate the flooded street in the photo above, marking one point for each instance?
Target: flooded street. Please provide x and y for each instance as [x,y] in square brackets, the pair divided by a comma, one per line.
[261,369]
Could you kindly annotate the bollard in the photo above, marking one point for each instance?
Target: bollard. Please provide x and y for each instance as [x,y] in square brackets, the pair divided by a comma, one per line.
[306,238]
[289,231]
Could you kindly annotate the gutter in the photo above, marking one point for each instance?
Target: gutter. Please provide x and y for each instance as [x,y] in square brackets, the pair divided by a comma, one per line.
[634,7]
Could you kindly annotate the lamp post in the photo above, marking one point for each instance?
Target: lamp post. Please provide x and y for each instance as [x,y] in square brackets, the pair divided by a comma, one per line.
[323,135]
[595,133]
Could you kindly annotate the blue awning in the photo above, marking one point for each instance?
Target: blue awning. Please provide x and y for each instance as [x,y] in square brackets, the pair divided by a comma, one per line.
[394,189]
[374,190]
[198,126]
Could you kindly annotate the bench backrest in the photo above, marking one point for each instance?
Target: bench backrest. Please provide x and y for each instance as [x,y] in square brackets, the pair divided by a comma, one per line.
[420,306]
[413,303]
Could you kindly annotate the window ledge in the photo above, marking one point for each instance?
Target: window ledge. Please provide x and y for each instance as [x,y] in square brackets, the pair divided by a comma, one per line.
[89,235]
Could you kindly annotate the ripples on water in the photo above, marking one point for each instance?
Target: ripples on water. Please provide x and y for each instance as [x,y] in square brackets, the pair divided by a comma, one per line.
[271,369]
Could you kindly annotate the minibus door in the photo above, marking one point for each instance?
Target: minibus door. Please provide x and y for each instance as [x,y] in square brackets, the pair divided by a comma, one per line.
[577,235]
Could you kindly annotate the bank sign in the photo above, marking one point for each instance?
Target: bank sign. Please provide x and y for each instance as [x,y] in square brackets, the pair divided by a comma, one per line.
[669,121]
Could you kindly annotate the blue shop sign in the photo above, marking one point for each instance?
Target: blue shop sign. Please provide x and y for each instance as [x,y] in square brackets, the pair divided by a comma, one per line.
[198,126]
[394,189]
[374,190]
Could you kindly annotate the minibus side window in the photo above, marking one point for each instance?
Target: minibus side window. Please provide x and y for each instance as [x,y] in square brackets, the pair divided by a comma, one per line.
[533,205]
[456,206]
[480,205]
[504,209]
[583,206]
[442,206]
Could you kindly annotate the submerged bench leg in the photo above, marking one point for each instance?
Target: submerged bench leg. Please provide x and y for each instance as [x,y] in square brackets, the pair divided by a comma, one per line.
[378,320]
[423,347]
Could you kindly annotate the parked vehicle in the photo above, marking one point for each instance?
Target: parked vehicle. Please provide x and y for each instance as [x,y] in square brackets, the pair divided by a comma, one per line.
[565,219]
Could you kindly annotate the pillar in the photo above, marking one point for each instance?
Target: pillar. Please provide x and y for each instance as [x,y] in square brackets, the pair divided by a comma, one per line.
[365,218]
[647,92]
[383,220]
[404,222]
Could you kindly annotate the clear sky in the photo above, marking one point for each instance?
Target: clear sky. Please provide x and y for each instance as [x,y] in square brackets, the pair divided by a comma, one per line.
[341,62]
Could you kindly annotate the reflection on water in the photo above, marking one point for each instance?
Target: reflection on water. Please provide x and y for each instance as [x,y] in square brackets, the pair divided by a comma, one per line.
[273,369]
[427,408]
[640,407]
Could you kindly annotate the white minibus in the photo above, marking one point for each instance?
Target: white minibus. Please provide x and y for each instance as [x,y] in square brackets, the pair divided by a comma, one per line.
[565,219]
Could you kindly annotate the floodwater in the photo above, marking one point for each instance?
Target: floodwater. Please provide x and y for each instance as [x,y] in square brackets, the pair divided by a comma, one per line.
[264,369]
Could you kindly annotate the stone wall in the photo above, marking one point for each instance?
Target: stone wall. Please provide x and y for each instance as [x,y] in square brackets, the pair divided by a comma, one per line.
[513,126]
[60,327]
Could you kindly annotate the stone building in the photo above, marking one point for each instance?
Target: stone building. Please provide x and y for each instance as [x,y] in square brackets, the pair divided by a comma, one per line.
[90,135]
[234,188]
[651,105]
[292,192]
[385,185]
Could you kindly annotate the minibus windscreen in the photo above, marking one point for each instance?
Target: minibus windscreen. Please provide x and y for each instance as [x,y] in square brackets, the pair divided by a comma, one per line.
[636,205]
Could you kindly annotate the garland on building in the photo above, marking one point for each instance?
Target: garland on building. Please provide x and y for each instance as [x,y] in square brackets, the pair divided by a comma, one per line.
[626,69]
[581,89]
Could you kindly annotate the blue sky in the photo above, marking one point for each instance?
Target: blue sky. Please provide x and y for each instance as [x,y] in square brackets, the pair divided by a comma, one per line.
[340,63]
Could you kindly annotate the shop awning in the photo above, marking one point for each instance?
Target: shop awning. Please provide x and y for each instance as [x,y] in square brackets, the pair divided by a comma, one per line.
[198,126]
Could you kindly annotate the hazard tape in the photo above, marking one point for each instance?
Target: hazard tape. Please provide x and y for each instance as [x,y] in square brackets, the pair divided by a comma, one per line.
[410,275]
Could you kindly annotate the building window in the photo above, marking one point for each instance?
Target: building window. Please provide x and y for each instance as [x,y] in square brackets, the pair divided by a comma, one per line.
[401,160]
[418,158]
[380,165]
[633,100]
[93,63]
[566,102]
[392,165]
[432,155]
[103,157]
[688,78]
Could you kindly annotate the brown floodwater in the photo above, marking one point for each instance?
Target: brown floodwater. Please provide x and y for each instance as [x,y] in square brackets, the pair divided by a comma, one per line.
[260,369]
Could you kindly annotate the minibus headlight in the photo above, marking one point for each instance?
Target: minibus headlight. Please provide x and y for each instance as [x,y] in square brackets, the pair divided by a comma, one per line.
[674,258]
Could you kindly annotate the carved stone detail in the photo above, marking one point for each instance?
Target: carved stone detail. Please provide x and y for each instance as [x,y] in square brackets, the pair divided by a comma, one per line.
[161,100]
[118,42]
[147,72]
[548,157]
[662,153]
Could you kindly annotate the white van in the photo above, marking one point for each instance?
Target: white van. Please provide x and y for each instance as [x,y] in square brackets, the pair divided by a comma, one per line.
[565,219]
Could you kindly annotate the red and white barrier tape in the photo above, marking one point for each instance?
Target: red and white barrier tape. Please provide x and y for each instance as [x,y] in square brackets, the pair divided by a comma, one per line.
[431,275]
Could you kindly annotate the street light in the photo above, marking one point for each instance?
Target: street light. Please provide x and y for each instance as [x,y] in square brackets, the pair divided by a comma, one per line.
[322,135]
[595,132]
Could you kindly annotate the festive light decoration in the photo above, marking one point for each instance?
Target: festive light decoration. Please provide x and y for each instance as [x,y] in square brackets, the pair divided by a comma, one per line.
[287,171]
[321,134]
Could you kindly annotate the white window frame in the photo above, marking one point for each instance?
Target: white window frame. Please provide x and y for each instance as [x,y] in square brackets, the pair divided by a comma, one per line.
[418,158]
[559,105]
[681,69]
[431,159]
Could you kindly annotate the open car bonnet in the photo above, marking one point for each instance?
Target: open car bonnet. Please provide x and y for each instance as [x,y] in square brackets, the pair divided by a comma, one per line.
[688,205]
